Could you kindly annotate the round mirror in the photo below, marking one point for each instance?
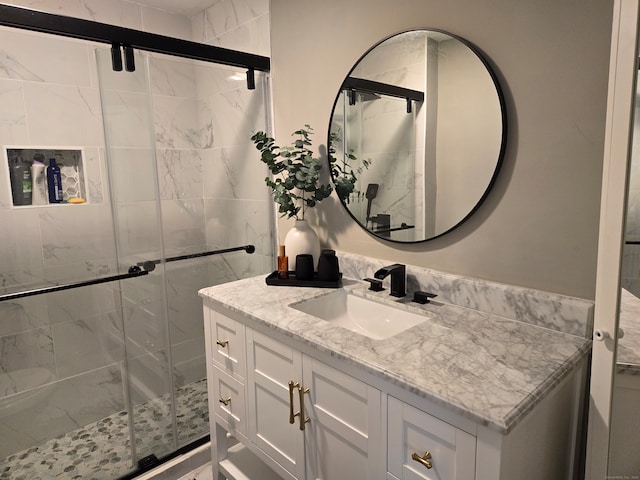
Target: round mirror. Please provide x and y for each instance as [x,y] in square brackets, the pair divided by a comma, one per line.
[417,135]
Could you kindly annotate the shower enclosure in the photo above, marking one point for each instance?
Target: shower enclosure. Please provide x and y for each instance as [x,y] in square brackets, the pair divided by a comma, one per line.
[102,368]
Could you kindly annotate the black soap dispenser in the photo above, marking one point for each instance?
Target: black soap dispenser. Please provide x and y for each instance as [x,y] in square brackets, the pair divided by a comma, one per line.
[328,268]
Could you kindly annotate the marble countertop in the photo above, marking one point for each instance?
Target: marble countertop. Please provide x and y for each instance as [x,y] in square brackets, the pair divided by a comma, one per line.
[490,369]
[628,360]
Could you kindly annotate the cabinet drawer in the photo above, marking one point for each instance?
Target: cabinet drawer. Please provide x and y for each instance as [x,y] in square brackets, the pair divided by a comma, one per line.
[229,403]
[452,451]
[228,345]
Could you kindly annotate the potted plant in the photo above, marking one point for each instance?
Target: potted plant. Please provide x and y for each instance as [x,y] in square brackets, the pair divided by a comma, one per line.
[295,185]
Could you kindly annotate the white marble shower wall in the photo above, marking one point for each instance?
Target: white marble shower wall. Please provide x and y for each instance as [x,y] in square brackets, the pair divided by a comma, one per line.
[238,207]
[211,181]
[238,24]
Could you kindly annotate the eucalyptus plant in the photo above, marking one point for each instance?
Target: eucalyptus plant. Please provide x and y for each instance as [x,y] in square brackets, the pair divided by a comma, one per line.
[296,173]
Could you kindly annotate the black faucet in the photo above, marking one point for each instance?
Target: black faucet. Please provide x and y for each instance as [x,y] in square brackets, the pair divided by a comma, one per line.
[398,274]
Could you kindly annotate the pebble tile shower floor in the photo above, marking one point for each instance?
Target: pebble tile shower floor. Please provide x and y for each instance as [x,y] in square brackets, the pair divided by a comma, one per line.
[102,450]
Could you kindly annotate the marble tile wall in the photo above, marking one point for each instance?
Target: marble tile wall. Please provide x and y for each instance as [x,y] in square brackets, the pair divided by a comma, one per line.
[238,24]
[233,178]
[116,12]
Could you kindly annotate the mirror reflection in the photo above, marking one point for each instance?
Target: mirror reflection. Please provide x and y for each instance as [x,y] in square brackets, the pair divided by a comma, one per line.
[416,136]
[624,460]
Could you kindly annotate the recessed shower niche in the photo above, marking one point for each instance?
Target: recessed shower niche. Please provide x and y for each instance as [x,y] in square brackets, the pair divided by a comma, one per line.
[30,175]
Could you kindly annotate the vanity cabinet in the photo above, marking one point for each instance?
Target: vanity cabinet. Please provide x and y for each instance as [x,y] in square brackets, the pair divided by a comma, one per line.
[303,418]
[300,413]
[308,420]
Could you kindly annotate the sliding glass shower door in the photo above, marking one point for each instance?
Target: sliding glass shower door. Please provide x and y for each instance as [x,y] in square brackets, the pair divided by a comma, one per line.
[131,160]
[185,180]
[100,378]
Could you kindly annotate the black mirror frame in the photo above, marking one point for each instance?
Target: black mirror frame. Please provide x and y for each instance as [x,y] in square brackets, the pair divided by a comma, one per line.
[503,140]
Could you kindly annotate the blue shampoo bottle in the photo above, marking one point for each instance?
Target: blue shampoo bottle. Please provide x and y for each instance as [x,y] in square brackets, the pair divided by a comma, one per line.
[54,182]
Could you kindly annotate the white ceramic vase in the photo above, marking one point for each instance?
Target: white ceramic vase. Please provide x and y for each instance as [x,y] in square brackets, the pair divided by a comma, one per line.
[301,239]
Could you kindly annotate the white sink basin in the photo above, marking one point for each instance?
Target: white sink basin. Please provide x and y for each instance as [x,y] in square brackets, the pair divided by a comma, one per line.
[361,315]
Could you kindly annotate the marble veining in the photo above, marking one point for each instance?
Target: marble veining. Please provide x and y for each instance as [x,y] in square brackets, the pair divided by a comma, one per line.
[226,15]
[483,366]
[556,312]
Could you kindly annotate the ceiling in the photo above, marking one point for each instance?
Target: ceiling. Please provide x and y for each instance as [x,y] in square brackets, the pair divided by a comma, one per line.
[182,7]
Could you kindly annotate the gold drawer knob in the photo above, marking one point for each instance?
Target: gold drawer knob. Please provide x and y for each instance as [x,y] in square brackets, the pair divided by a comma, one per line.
[424,460]
[225,401]
[223,343]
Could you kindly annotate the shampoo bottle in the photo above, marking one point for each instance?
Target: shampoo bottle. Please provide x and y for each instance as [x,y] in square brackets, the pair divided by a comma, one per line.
[54,182]
[20,182]
[283,264]
[39,193]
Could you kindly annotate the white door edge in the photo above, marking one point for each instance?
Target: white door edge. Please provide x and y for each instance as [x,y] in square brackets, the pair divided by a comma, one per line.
[619,122]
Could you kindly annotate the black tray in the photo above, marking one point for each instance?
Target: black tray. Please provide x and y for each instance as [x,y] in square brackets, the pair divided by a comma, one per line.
[273,279]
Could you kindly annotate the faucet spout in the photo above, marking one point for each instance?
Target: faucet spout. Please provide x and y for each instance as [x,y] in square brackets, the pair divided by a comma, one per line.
[398,274]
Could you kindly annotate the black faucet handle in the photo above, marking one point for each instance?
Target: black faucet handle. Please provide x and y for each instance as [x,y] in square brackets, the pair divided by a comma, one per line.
[375,284]
[422,297]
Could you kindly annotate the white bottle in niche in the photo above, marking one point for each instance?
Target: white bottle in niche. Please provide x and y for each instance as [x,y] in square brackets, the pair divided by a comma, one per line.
[38,178]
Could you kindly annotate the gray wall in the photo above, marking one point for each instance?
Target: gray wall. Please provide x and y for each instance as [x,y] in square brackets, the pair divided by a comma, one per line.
[539,226]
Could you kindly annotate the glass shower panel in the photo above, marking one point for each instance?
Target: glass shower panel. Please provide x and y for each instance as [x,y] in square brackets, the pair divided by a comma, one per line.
[130,140]
[212,197]
[61,353]
[196,186]
[95,378]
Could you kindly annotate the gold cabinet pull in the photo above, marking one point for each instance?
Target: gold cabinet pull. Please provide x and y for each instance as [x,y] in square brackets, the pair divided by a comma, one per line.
[223,343]
[225,401]
[303,419]
[424,460]
[292,415]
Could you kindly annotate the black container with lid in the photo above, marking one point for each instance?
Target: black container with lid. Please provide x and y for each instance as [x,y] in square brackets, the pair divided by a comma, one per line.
[328,268]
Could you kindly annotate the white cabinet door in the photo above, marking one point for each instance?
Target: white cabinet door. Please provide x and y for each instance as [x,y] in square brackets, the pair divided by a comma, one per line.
[271,366]
[422,447]
[343,439]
